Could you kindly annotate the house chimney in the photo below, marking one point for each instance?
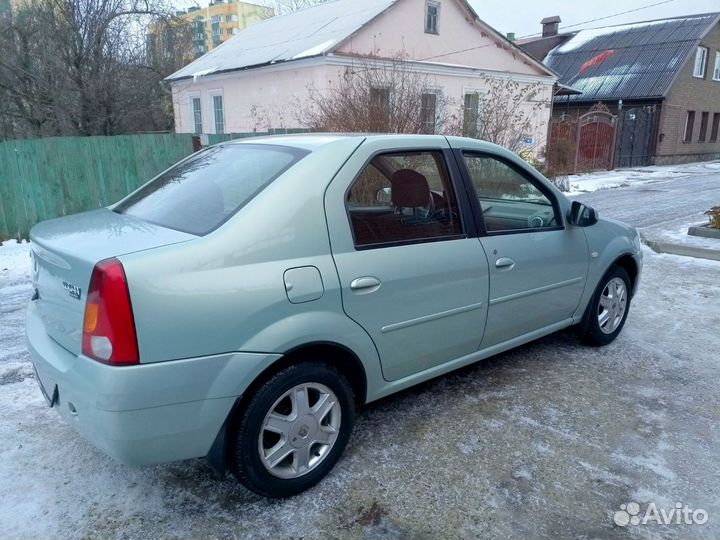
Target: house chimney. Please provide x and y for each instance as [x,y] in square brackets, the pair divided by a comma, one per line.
[550,26]
[511,36]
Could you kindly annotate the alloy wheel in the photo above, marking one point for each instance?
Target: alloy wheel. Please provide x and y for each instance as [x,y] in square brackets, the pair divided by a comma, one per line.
[299,430]
[613,302]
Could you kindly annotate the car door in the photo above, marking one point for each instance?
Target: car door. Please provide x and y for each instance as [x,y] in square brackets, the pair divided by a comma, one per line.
[538,265]
[412,271]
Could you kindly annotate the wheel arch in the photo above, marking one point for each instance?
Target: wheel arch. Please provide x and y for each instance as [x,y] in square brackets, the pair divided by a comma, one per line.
[628,263]
[346,361]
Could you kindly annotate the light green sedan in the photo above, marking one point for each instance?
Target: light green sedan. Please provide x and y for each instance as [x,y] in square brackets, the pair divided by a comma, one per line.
[242,305]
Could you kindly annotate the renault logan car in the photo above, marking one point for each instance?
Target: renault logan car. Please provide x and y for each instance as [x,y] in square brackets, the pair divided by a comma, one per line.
[243,303]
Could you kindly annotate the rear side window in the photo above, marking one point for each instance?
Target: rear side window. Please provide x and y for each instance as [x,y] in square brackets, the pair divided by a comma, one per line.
[201,193]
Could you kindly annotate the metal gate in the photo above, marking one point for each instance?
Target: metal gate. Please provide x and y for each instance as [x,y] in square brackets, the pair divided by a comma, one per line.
[562,146]
[595,139]
[637,129]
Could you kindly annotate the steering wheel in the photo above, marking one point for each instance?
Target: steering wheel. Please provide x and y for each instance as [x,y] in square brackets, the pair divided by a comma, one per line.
[541,219]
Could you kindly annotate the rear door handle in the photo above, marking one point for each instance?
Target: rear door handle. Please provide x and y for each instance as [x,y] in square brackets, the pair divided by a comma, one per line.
[504,262]
[365,284]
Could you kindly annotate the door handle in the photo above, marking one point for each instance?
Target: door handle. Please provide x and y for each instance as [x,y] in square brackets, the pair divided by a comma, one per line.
[365,284]
[504,262]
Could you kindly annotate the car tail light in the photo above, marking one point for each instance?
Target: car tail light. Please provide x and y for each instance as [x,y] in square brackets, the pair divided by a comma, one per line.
[109,326]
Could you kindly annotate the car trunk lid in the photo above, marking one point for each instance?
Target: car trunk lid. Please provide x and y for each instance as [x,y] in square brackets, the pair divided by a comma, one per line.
[65,251]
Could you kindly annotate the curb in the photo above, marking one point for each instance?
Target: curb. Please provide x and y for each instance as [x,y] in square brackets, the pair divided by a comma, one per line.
[704,231]
[680,249]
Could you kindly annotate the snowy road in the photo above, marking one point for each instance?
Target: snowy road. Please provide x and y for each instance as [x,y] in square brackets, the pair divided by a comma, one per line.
[544,441]
[685,194]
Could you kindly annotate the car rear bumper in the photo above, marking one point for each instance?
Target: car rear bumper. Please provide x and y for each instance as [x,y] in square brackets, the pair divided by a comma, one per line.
[145,414]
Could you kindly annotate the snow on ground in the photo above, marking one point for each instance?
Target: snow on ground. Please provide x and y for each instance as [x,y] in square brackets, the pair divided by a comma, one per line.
[14,259]
[676,232]
[594,181]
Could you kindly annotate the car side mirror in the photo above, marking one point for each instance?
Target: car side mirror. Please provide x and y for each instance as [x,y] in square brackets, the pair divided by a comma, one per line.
[382,196]
[582,215]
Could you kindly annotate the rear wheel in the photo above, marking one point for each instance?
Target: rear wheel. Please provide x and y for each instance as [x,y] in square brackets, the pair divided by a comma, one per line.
[608,310]
[293,430]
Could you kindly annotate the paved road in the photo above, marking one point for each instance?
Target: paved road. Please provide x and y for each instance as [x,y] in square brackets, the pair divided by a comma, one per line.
[652,203]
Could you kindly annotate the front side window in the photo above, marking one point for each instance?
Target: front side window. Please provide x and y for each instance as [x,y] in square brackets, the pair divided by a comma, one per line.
[508,199]
[403,197]
[716,68]
[197,114]
[432,14]
[219,114]
[700,62]
[202,192]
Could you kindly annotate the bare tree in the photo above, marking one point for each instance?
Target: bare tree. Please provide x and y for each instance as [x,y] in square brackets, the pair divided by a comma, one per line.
[504,112]
[378,95]
[82,67]
[281,7]
[381,95]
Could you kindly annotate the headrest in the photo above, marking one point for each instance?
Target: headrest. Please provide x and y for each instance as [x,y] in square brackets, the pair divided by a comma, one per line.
[410,189]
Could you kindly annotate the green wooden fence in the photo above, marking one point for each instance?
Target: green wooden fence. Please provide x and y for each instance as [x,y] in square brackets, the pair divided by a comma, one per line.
[46,178]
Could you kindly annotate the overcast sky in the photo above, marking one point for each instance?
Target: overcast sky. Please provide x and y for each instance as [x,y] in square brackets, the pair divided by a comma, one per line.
[523,16]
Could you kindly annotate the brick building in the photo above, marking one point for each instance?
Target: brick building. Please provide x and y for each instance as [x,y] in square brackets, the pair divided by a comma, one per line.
[660,78]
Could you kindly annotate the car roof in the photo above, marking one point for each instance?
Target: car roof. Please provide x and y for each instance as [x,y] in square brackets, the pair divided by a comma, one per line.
[309,141]
[314,141]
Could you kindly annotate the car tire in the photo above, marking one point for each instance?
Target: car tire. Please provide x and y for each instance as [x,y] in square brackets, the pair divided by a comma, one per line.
[279,421]
[607,312]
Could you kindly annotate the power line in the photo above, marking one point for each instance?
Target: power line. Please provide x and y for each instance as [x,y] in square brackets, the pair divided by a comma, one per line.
[618,14]
[539,34]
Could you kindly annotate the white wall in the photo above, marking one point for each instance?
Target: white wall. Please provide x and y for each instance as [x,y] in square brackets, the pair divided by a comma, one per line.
[276,96]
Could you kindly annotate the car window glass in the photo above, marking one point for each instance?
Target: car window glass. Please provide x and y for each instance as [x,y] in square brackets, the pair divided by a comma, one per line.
[202,192]
[508,199]
[403,197]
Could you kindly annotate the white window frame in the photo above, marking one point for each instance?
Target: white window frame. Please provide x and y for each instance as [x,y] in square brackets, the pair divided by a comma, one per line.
[211,95]
[480,93]
[700,65]
[437,92]
[191,100]
[436,5]
[716,67]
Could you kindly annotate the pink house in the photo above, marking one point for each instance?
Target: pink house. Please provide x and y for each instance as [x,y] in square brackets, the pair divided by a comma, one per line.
[258,80]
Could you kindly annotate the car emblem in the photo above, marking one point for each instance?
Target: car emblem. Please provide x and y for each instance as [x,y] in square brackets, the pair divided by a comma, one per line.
[72,290]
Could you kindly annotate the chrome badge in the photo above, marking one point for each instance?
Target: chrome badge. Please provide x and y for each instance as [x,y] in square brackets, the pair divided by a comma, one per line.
[72,290]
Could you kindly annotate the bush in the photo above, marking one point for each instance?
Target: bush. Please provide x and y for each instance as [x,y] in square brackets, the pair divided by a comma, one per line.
[560,157]
[557,177]
[714,215]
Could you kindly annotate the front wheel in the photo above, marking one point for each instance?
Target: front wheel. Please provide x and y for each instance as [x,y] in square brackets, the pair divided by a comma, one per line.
[608,309]
[293,430]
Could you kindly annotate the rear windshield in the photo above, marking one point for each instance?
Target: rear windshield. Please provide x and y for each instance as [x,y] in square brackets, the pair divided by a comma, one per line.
[198,195]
